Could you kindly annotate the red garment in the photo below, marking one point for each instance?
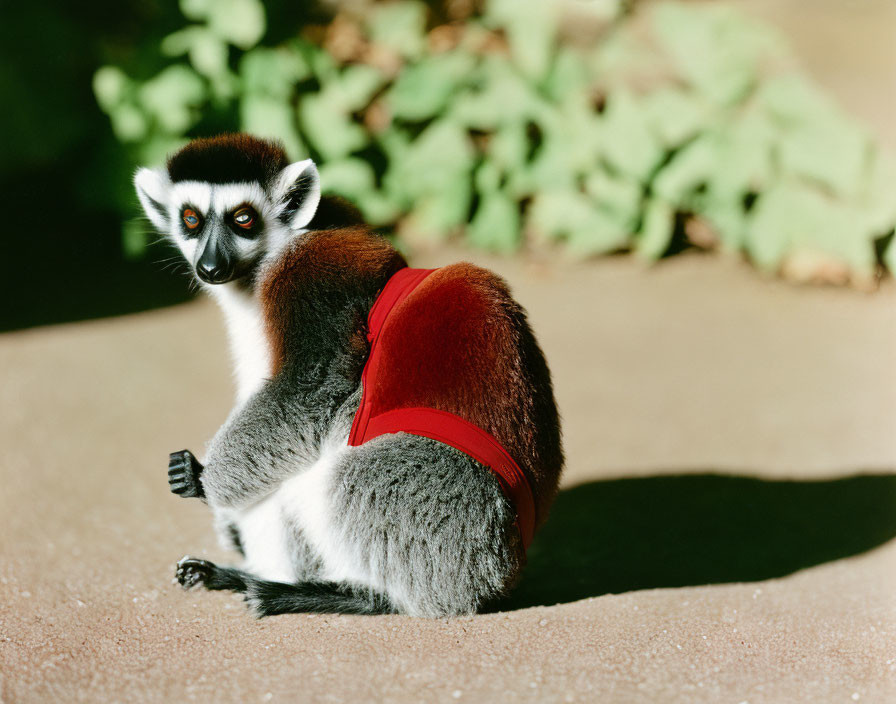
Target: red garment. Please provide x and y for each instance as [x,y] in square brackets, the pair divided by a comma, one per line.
[375,417]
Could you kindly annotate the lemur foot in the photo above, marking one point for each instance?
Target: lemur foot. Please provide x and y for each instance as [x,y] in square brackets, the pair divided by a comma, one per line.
[191,572]
[184,471]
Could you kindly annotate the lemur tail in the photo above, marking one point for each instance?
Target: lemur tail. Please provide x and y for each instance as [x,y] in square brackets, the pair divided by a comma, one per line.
[270,598]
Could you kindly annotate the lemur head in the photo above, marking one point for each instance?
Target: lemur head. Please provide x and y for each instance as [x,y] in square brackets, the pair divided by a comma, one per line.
[228,201]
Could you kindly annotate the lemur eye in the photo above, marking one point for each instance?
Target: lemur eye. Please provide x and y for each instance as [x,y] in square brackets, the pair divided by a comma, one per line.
[191,219]
[244,217]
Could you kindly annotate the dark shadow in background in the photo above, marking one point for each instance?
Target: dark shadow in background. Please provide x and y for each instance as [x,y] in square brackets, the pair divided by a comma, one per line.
[65,180]
[85,278]
[674,531]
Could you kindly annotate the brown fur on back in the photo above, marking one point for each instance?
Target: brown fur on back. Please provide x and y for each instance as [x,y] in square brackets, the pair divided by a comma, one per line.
[326,268]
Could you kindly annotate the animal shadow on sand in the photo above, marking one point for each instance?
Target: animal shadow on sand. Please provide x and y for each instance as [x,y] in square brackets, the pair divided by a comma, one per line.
[674,531]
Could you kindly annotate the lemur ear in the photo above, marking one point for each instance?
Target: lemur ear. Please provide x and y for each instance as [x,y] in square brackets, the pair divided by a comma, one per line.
[298,192]
[153,186]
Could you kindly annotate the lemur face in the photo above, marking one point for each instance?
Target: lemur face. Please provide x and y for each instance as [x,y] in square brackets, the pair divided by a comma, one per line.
[228,202]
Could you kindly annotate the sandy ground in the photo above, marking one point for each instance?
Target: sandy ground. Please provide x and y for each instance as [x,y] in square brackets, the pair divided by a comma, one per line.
[688,393]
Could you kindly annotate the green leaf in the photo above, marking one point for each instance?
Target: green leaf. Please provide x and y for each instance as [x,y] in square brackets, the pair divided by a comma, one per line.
[835,154]
[328,125]
[498,95]
[326,116]
[209,54]
[395,143]
[728,162]
[689,169]
[571,215]
[815,138]
[437,213]
[656,231]
[878,197]
[196,9]
[568,76]
[378,209]
[401,26]
[272,71]
[571,145]
[628,144]
[726,217]
[619,197]
[621,54]
[531,29]
[549,169]
[890,256]
[323,66]
[172,98]
[792,100]
[487,178]
[433,163]
[351,178]
[675,115]
[600,234]
[792,217]
[110,85]
[239,22]
[178,43]
[128,123]
[422,90]
[356,86]
[273,118]
[715,48]
[496,223]
[509,147]
[746,156]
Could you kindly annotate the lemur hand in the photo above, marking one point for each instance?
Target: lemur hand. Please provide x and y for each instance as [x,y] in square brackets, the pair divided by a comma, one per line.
[184,471]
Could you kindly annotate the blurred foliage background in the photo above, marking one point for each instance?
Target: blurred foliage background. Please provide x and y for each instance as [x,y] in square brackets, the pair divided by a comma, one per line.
[581,127]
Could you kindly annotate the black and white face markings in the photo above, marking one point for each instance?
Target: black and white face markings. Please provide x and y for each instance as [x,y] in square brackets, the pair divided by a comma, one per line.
[225,230]
[221,228]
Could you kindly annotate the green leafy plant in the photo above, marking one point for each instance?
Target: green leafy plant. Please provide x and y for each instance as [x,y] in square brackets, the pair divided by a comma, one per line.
[684,124]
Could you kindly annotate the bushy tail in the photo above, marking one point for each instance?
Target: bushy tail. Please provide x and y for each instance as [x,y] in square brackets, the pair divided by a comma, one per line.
[270,598]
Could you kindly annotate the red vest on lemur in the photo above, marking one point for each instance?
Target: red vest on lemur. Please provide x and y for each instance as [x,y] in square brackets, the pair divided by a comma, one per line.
[452,342]
[416,345]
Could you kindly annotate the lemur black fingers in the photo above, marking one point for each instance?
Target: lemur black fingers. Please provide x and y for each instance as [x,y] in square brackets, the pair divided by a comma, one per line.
[184,471]
[192,572]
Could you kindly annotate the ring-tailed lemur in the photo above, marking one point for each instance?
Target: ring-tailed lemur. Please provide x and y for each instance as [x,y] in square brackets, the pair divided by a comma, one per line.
[403,522]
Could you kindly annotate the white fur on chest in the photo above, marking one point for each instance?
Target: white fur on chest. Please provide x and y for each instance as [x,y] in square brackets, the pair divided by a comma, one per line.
[249,346]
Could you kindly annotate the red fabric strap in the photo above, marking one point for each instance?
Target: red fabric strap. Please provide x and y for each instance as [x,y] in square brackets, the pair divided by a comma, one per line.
[439,425]
[397,288]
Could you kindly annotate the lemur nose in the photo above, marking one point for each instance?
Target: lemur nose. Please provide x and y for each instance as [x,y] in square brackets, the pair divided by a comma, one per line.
[212,273]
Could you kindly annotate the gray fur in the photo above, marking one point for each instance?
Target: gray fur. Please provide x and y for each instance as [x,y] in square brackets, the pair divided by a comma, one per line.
[278,432]
[432,523]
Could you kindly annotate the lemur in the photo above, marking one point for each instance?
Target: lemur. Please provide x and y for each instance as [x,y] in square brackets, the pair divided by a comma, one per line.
[402,521]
